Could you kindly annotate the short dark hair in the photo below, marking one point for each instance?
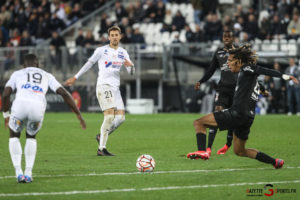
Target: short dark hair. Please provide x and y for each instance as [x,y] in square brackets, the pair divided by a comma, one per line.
[228,31]
[244,53]
[114,28]
[30,60]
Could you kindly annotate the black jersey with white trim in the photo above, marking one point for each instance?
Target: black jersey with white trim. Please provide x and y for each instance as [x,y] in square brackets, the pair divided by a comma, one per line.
[228,79]
[247,88]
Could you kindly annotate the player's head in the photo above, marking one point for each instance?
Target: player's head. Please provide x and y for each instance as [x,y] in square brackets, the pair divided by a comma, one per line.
[241,56]
[114,35]
[228,38]
[30,60]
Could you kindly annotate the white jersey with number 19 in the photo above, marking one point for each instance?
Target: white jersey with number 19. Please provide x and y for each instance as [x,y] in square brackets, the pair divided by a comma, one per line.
[32,84]
[110,61]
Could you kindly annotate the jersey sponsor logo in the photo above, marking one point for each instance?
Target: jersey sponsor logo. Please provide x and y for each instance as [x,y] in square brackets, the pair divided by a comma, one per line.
[113,64]
[248,68]
[121,56]
[34,88]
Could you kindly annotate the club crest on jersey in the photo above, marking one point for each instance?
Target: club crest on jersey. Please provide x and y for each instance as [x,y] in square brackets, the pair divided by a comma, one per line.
[105,51]
[34,88]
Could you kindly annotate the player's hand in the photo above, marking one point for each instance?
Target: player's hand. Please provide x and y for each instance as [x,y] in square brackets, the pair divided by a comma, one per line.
[294,80]
[6,120]
[82,122]
[70,81]
[197,86]
[127,63]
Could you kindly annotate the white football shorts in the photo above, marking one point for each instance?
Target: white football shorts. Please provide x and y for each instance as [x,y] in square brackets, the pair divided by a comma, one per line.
[27,113]
[109,97]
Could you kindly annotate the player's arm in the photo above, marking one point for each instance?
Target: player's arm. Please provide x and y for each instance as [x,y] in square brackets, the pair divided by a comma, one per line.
[6,104]
[69,100]
[263,90]
[274,73]
[91,61]
[128,64]
[208,73]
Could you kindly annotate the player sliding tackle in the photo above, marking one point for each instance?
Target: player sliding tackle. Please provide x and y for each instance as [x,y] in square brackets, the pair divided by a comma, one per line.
[240,116]
[110,59]
[28,109]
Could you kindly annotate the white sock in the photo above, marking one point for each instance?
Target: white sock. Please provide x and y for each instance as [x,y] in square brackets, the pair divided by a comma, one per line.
[105,128]
[30,152]
[119,119]
[15,151]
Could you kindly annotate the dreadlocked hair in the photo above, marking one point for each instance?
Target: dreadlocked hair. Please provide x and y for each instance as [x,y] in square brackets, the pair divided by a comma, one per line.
[244,53]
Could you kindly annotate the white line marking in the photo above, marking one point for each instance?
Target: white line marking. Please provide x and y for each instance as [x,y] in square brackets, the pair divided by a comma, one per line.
[142,189]
[155,172]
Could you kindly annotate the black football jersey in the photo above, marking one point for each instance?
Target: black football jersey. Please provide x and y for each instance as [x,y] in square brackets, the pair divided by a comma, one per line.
[247,88]
[228,79]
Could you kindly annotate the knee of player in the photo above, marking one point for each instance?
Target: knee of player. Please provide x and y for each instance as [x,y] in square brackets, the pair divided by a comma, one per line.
[238,152]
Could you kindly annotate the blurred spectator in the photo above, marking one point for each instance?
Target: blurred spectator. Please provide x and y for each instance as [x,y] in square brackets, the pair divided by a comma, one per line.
[130,11]
[137,37]
[160,11]
[294,27]
[277,87]
[79,41]
[213,27]
[209,6]
[9,56]
[293,93]
[75,14]
[120,11]
[176,39]
[283,8]
[42,29]
[199,35]
[25,39]
[189,35]
[197,5]
[89,39]
[103,23]
[168,18]
[277,28]
[5,16]
[56,24]
[55,44]
[228,21]
[251,27]
[33,24]
[150,15]
[264,29]
[16,38]
[139,12]
[124,24]
[178,22]
[127,38]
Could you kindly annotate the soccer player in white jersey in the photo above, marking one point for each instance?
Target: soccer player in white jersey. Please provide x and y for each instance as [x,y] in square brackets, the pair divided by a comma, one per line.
[110,59]
[31,85]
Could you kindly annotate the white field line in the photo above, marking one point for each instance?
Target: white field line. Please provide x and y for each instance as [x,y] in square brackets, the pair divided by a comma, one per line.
[143,189]
[155,172]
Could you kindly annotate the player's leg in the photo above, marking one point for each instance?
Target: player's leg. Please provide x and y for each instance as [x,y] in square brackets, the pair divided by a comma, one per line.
[200,126]
[213,132]
[119,113]
[106,99]
[34,124]
[16,125]
[225,148]
[240,150]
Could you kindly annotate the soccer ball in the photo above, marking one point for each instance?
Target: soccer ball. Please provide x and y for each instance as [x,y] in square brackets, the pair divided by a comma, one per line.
[145,163]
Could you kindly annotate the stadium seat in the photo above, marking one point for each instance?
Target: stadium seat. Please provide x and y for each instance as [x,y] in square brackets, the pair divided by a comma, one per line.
[292,41]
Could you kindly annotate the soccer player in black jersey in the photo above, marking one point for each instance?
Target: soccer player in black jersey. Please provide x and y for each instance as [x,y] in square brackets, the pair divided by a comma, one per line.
[240,116]
[225,90]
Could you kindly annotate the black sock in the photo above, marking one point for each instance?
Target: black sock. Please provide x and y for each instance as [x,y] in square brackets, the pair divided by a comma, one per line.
[265,158]
[229,138]
[211,136]
[201,141]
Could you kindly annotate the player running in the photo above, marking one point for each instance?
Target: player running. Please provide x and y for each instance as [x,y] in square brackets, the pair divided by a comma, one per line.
[28,109]
[240,116]
[110,59]
[226,86]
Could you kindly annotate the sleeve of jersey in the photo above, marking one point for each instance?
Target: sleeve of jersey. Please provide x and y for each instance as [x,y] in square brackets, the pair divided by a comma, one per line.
[11,82]
[268,72]
[53,83]
[130,70]
[211,70]
[261,87]
[91,61]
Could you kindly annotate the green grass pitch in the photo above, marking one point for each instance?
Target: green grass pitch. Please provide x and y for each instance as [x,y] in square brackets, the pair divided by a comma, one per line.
[67,167]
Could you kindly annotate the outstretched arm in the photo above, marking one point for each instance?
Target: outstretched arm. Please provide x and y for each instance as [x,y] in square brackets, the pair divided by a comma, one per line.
[274,73]
[85,68]
[6,104]
[210,71]
[69,100]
